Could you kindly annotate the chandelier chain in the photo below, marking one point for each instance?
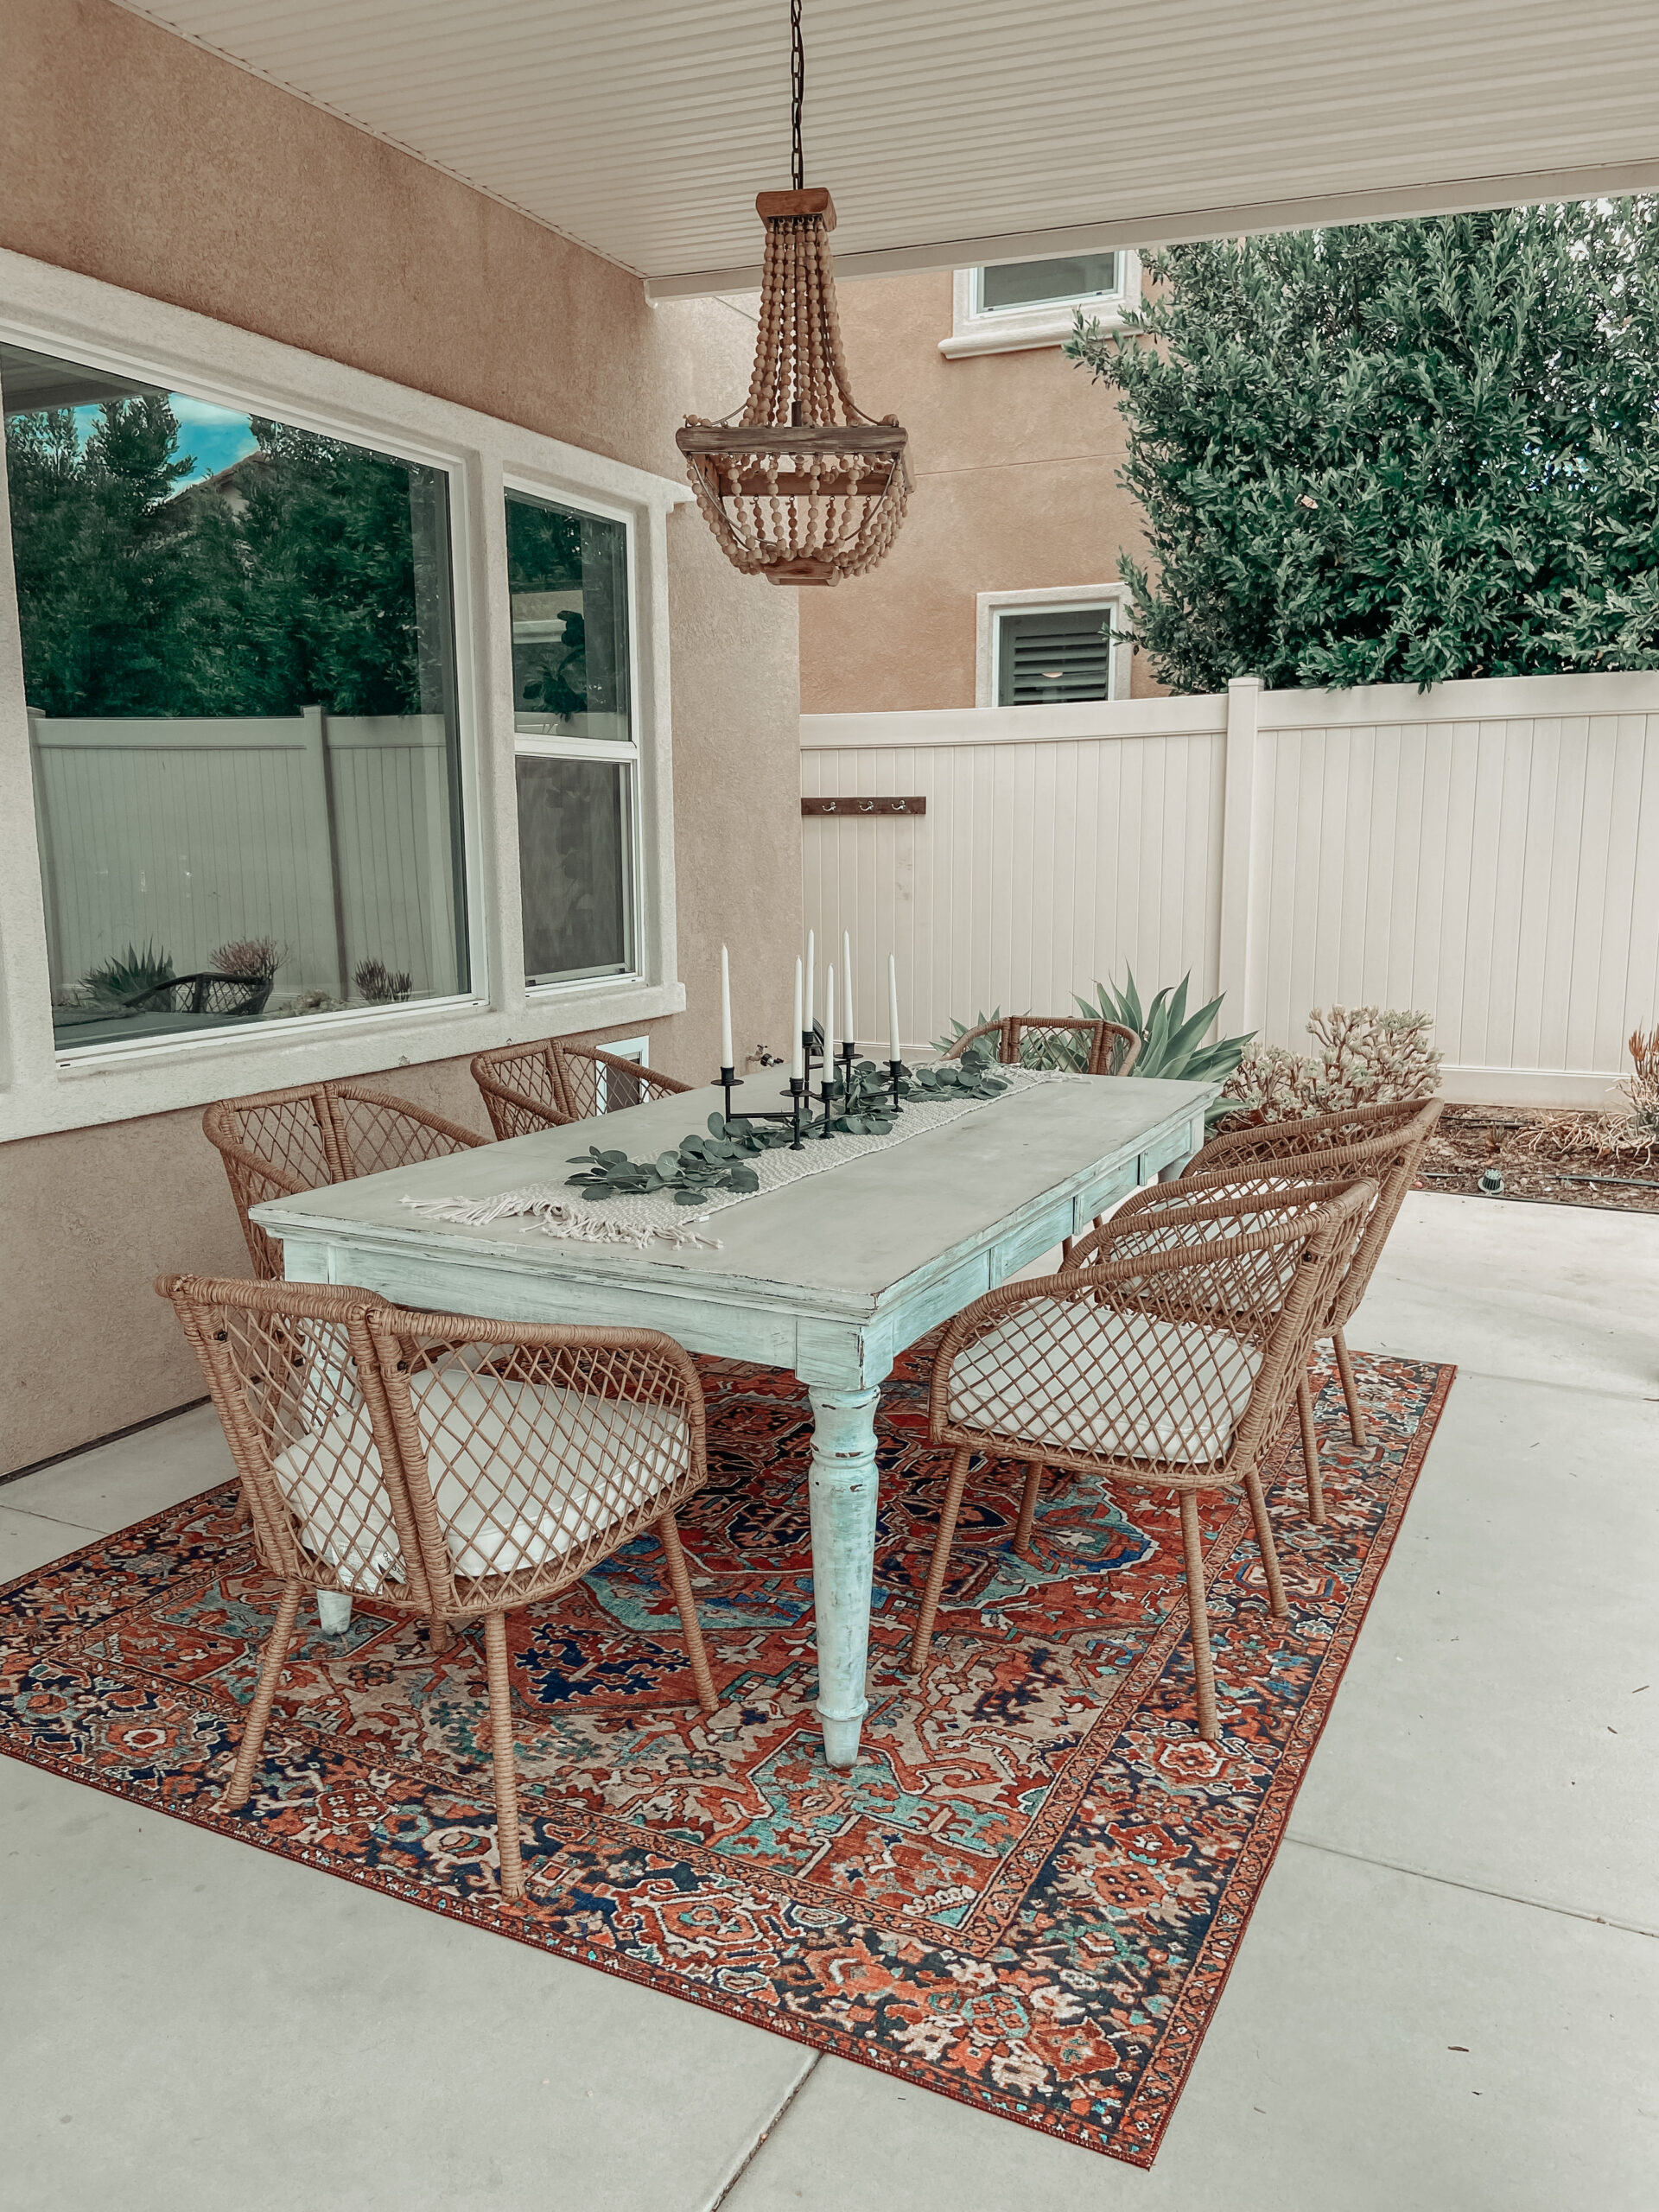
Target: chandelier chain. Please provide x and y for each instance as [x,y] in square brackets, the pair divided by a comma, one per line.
[796,88]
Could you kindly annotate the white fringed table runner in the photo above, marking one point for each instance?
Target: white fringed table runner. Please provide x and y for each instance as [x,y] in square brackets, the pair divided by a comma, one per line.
[558,1211]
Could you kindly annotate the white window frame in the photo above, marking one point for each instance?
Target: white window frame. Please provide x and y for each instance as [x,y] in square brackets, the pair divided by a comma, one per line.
[44,1088]
[1113,600]
[552,745]
[620,1048]
[1021,330]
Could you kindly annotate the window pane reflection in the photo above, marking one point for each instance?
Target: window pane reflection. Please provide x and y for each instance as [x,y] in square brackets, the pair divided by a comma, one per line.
[238,664]
[568,575]
[575,843]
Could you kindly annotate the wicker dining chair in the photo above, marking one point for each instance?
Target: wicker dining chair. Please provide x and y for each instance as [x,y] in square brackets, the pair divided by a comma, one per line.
[275,1143]
[1384,1143]
[1276,1180]
[1167,1362]
[443,1466]
[1110,1048]
[544,1085]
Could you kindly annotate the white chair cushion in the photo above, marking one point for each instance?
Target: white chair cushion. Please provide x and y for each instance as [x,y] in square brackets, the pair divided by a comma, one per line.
[521,1472]
[1087,1378]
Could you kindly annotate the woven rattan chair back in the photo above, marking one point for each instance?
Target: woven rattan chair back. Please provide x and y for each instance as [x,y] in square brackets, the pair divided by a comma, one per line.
[523,1089]
[545,1084]
[1106,1047]
[1166,1356]
[553,1447]
[294,1378]
[445,1465]
[1252,1275]
[598,1082]
[278,1142]
[1385,1144]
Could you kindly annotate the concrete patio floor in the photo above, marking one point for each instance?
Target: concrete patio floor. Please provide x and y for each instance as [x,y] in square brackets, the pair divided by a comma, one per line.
[1448,1999]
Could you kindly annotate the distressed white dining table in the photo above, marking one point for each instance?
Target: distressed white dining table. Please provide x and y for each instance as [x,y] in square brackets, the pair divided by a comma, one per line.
[832,1275]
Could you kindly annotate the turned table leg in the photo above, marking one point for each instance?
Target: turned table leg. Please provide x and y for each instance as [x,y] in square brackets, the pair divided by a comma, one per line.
[842,1491]
[333,1611]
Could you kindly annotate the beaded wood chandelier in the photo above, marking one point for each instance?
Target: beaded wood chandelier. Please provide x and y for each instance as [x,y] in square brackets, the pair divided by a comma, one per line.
[799,485]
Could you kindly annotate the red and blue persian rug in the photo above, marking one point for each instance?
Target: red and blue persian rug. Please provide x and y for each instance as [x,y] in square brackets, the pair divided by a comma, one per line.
[1028,1894]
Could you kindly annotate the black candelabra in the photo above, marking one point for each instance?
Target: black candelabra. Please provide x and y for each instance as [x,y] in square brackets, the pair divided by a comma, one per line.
[799,1113]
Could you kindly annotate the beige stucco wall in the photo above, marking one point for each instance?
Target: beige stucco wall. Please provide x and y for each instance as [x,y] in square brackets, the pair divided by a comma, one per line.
[1015,457]
[130,156]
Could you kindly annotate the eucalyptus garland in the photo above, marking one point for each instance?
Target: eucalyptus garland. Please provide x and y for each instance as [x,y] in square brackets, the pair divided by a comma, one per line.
[702,1166]
[705,1165]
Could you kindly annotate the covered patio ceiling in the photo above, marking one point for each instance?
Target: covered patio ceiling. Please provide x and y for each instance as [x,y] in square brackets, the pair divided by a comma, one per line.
[959,131]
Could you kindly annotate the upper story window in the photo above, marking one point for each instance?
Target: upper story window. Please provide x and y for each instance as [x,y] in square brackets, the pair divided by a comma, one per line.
[577,746]
[1052,646]
[239,663]
[1015,305]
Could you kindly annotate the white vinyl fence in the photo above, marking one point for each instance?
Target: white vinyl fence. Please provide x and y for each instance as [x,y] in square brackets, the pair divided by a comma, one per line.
[1488,851]
[329,833]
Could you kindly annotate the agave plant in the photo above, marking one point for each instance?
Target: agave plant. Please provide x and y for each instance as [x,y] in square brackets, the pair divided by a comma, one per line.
[959,1029]
[127,975]
[1169,1034]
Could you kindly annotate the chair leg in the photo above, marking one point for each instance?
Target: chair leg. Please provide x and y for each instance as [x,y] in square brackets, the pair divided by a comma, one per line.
[1345,1368]
[264,1695]
[1310,1454]
[941,1561]
[1267,1548]
[668,1532]
[243,1516]
[506,1778]
[1065,1252]
[1028,1510]
[438,1635]
[1204,1671]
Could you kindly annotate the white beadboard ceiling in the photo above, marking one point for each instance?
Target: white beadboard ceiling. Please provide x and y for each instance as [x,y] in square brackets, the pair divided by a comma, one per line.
[957,131]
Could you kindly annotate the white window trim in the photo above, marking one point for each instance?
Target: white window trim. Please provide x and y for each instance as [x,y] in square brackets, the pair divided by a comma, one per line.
[556,744]
[1021,330]
[56,310]
[1118,598]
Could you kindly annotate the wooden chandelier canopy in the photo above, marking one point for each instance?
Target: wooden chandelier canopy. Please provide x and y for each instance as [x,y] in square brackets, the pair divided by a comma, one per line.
[801,487]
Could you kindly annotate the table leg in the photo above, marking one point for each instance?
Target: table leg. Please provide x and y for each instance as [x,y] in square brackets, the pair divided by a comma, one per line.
[842,1491]
[333,1611]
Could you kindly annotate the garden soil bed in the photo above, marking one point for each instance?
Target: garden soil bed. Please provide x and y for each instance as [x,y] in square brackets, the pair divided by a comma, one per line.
[1514,1142]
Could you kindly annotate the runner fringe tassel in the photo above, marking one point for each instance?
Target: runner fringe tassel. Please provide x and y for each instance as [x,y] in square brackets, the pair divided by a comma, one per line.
[554,1217]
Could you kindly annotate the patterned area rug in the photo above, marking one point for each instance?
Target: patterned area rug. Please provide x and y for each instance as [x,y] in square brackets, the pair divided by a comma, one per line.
[1028,1894]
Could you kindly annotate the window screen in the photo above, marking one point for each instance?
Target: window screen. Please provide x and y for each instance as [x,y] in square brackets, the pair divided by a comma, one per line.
[577,755]
[1037,283]
[1048,658]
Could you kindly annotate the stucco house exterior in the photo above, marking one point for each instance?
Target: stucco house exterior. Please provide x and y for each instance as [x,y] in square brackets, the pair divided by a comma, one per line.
[1023,520]
[171,222]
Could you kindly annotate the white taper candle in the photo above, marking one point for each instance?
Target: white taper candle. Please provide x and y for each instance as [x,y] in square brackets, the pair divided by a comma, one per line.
[894,1053]
[726,1059]
[828,1025]
[848,1022]
[797,1050]
[811,980]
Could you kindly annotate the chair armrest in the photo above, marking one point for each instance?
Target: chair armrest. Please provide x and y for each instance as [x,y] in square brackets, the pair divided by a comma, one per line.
[664,1369]
[389,1103]
[1275,1182]
[1131,1039]
[666,1085]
